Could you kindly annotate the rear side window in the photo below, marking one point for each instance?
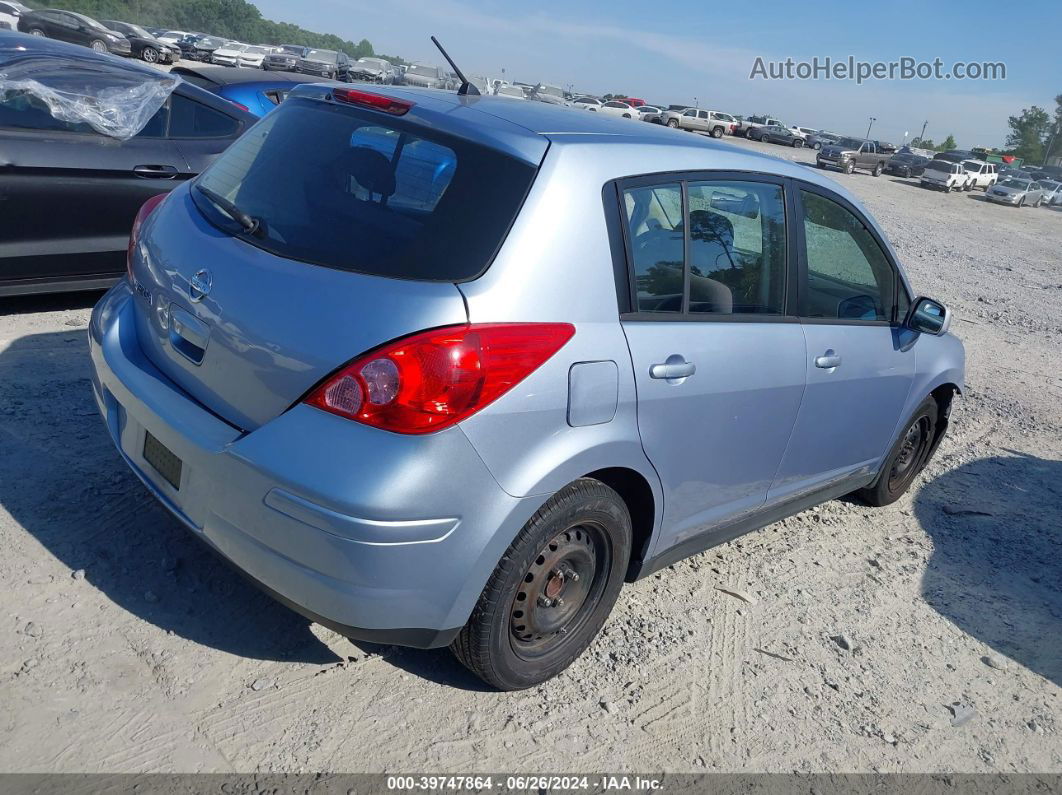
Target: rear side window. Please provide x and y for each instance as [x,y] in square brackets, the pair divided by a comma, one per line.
[372,194]
[191,119]
[737,248]
[732,261]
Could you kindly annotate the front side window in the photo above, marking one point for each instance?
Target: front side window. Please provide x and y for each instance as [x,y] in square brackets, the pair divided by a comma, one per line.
[848,275]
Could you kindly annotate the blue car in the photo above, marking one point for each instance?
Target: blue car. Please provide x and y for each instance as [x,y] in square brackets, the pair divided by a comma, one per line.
[252,90]
[444,370]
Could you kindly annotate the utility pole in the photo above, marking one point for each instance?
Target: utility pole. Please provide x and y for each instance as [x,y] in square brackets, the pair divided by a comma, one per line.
[1051,142]
[922,136]
[872,120]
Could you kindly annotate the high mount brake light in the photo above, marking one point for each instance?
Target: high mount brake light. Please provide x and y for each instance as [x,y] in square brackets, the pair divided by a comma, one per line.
[146,209]
[367,99]
[434,379]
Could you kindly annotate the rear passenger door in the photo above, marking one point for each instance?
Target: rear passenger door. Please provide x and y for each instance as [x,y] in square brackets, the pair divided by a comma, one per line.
[70,194]
[860,362]
[718,358]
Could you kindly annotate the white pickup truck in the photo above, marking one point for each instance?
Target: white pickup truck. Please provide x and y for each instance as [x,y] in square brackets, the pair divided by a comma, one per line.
[714,122]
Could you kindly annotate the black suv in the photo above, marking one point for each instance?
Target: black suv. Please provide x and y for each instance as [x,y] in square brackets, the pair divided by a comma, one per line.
[326,63]
[74,28]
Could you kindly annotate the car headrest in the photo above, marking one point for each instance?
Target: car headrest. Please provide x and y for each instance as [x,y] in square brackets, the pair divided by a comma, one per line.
[371,170]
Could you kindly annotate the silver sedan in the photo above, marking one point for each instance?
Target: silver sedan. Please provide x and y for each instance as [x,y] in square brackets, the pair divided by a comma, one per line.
[1016,192]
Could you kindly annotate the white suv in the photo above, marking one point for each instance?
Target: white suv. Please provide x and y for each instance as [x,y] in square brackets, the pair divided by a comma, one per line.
[945,175]
[982,175]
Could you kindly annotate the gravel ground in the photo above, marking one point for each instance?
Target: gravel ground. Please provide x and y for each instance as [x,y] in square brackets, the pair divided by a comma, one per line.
[846,639]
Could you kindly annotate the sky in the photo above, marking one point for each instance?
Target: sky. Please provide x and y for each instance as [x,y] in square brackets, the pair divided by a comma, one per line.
[695,52]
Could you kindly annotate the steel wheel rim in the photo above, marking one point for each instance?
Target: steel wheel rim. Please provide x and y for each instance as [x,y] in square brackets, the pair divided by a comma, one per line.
[560,590]
[912,448]
[99,46]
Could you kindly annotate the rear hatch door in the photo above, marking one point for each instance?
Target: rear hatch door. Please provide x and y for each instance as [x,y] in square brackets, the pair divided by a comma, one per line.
[365,224]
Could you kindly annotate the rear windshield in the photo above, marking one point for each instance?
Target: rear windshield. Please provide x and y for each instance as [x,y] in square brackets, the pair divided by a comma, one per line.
[373,194]
[940,165]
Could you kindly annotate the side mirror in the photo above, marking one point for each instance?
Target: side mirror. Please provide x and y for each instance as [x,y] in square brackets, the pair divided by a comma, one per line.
[929,317]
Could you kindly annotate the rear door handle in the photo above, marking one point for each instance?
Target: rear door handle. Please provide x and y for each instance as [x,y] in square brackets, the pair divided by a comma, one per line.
[155,172]
[828,361]
[675,367]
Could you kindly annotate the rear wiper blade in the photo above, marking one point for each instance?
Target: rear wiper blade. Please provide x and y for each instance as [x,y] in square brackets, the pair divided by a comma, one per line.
[250,224]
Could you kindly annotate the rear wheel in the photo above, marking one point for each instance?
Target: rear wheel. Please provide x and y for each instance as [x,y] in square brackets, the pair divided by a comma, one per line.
[906,459]
[98,45]
[36,32]
[717,132]
[150,54]
[816,146]
[552,590]
[797,142]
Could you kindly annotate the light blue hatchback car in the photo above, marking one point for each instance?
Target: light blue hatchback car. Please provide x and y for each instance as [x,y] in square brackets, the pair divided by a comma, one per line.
[447,370]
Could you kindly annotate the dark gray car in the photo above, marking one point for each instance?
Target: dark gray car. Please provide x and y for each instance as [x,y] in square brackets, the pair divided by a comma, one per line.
[287,60]
[325,63]
[425,76]
[72,193]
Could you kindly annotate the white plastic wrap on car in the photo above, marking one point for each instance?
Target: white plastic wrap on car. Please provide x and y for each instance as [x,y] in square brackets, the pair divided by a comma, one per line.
[115,100]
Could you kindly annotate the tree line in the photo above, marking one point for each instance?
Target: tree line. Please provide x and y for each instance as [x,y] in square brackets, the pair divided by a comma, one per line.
[232,19]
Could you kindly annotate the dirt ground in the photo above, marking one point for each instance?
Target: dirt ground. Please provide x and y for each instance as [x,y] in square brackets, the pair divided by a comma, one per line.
[125,646]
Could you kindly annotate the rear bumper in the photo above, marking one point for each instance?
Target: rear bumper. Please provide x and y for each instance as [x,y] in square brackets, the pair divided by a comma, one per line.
[379,536]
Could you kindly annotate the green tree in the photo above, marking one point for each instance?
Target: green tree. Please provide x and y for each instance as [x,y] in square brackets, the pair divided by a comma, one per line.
[948,145]
[1029,133]
[1054,136]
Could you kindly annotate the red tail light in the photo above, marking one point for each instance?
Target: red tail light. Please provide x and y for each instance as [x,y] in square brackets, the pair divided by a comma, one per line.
[146,209]
[396,107]
[240,105]
[437,378]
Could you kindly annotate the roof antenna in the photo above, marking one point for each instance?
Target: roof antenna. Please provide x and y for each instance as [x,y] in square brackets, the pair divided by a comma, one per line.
[466,87]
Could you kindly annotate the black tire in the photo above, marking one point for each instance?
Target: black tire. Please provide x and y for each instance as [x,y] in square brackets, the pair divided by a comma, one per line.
[816,146]
[626,115]
[717,132]
[150,55]
[587,529]
[98,45]
[1021,202]
[672,123]
[35,32]
[947,188]
[797,143]
[849,167]
[878,169]
[906,459]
